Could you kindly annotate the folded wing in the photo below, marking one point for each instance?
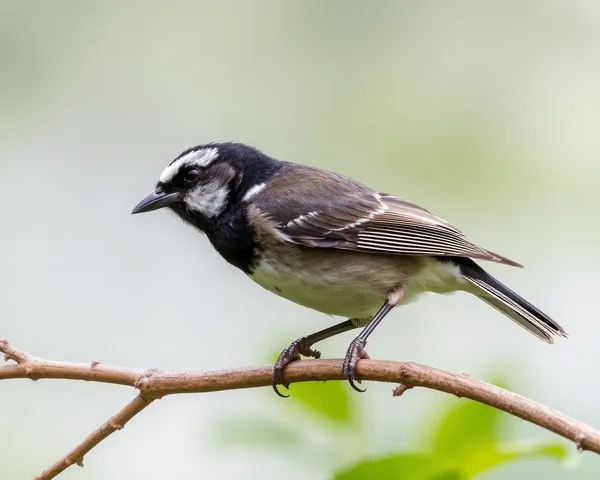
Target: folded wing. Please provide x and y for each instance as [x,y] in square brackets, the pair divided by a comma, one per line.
[325,210]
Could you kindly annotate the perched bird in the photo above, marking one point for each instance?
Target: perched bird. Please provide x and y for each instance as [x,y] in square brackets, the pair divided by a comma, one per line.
[329,243]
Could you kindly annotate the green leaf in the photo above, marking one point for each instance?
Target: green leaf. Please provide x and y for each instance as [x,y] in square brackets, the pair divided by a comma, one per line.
[330,400]
[525,450]
[487,458]
[258,432]
[545,449]
[402,466]
[470,433]
[467,427]
[450,475]
[413,466]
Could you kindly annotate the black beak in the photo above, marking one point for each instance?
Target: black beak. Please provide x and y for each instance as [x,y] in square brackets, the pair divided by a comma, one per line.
[154,201]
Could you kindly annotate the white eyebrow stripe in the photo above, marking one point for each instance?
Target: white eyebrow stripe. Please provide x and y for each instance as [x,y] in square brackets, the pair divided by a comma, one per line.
[254,191]
[202,158]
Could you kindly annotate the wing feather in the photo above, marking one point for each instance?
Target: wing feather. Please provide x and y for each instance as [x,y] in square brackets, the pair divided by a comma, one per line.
[326,210]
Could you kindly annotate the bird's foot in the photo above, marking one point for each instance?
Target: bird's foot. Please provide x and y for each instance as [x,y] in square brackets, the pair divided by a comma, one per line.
[355,352]
[298,348]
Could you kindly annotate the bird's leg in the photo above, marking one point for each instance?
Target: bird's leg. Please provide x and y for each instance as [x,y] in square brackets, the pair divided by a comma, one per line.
[302,347]
[356,350]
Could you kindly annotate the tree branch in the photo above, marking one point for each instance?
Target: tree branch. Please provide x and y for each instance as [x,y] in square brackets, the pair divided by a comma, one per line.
[153,384]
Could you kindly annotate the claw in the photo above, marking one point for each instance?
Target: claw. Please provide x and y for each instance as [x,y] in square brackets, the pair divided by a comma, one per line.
[278,379]
[276,389]
[287,356]
[353,385]
[355,352]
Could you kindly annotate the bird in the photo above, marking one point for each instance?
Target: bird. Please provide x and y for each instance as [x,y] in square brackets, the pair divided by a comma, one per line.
[330,243]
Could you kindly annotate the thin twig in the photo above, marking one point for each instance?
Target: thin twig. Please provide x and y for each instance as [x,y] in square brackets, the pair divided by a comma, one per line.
[400,389]
[153,384]
[113,424]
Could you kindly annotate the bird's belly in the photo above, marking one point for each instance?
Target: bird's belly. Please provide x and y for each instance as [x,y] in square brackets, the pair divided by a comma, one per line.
[352,285]
[322,293]
[335,282]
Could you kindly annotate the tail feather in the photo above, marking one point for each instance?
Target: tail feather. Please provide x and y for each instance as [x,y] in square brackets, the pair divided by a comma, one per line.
[504,260]
[510,303]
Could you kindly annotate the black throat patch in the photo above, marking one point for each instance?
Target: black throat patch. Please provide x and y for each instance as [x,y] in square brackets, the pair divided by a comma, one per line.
[234,238]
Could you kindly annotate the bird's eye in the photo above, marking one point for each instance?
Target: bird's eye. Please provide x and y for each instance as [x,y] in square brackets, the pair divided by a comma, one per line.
[191,176]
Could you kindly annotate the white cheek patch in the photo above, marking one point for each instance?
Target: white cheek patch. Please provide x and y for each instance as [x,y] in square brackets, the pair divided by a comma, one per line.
[208,200]
[201,158]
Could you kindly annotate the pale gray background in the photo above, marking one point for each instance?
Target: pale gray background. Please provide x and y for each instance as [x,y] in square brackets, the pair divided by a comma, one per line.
[485,112]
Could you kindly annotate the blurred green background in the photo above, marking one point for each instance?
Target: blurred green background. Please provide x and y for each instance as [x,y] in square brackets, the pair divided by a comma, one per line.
[485,112]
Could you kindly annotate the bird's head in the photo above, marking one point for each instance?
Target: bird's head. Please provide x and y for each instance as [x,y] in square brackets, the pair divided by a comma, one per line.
[204,181]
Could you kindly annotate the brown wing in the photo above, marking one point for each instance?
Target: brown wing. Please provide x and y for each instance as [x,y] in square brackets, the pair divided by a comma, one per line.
[316,208]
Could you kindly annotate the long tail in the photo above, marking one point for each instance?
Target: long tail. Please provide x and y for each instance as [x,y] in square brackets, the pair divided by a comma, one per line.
[509,303]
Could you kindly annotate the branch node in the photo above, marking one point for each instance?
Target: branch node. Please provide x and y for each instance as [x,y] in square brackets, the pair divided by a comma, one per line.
[79,462]
[94,363]
[11,353]
[142,382]
[405,371]
[114,425]
[580,438]
[400,389]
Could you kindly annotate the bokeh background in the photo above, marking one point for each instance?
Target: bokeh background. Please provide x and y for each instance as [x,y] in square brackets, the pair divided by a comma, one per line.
[485,112]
